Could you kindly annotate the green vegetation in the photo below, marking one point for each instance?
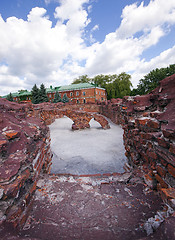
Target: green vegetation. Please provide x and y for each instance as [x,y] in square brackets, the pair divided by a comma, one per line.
[39,95]
[152,79]
[65,98]
[117,86]
[57,98]
[42,94]
[82,79]
[9,97]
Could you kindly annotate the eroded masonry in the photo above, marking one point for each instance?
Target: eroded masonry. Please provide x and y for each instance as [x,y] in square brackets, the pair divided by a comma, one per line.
[149,137]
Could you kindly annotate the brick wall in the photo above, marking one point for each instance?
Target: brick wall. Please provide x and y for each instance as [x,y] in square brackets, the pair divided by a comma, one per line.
[81,96]
[24,154]
[149,134]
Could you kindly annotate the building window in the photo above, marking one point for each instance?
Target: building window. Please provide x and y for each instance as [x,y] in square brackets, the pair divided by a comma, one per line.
[84,100]
[96,92]
[77,93]
[50,95]
[84,93]
[78,101]
[102,98]
[71,94]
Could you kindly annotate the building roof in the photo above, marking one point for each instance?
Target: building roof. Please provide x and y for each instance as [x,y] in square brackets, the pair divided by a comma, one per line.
[59,89]
[19,93]
[74,87]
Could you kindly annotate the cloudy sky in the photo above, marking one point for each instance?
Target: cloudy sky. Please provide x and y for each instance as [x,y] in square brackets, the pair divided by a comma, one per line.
[55,41]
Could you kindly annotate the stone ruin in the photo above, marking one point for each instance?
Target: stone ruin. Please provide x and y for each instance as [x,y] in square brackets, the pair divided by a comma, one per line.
[149,138]
[25,151]
[149,134]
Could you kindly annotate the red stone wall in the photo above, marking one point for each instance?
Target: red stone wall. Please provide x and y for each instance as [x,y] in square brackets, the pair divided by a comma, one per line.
[149,134]
[24,154]
[25,150]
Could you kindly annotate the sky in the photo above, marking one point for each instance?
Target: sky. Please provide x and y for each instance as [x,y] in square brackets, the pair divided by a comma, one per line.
[55,41]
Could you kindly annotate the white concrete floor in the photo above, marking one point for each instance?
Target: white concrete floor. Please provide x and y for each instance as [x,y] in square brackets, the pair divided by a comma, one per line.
[87,151]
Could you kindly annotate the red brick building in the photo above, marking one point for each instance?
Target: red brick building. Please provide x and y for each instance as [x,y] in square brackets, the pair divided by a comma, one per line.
[79,93]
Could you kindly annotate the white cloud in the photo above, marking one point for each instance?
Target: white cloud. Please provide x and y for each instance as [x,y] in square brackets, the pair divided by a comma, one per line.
[33,51]
[122,50]
[144,18]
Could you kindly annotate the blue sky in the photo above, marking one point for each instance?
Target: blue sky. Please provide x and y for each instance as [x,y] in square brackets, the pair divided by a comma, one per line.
[55,41]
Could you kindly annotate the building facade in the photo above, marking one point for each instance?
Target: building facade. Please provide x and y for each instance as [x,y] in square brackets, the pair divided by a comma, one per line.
[77,93]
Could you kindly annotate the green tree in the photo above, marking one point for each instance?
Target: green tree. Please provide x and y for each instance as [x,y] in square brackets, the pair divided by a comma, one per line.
[57,97]
[42,94]
[9,97]
[117,86]
[65,98]
[101,80]
[152,79]
[81,79]
[35,94]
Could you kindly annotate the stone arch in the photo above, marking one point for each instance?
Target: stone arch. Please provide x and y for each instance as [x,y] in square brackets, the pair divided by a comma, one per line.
[102,120]
[80,119]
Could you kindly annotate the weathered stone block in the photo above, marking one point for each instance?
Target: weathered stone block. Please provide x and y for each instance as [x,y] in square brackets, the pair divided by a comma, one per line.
[163,143]
[161,181]
[169,192]
[171,170]
[153,124]
[11,134]
[168,133]
[12,189]
[161,170]
[151,154]
[172,148]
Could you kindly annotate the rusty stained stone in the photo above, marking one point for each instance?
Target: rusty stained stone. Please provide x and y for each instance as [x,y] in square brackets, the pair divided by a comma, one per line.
[169,133]
[169,192]
[153,124]
[12,189]
[11,134]
[161,170]
[3,145]
[141,121]
[165,155]
[163,143]
[8,169]
[172,148]
[151,154]
[171,170]
[161,181]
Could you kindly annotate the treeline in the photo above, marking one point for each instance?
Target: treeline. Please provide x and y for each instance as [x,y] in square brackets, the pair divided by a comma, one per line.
[152,79]
[117,86]
[40,95]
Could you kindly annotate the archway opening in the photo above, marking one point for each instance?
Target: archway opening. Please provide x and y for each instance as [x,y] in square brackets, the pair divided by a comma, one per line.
[94,124]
